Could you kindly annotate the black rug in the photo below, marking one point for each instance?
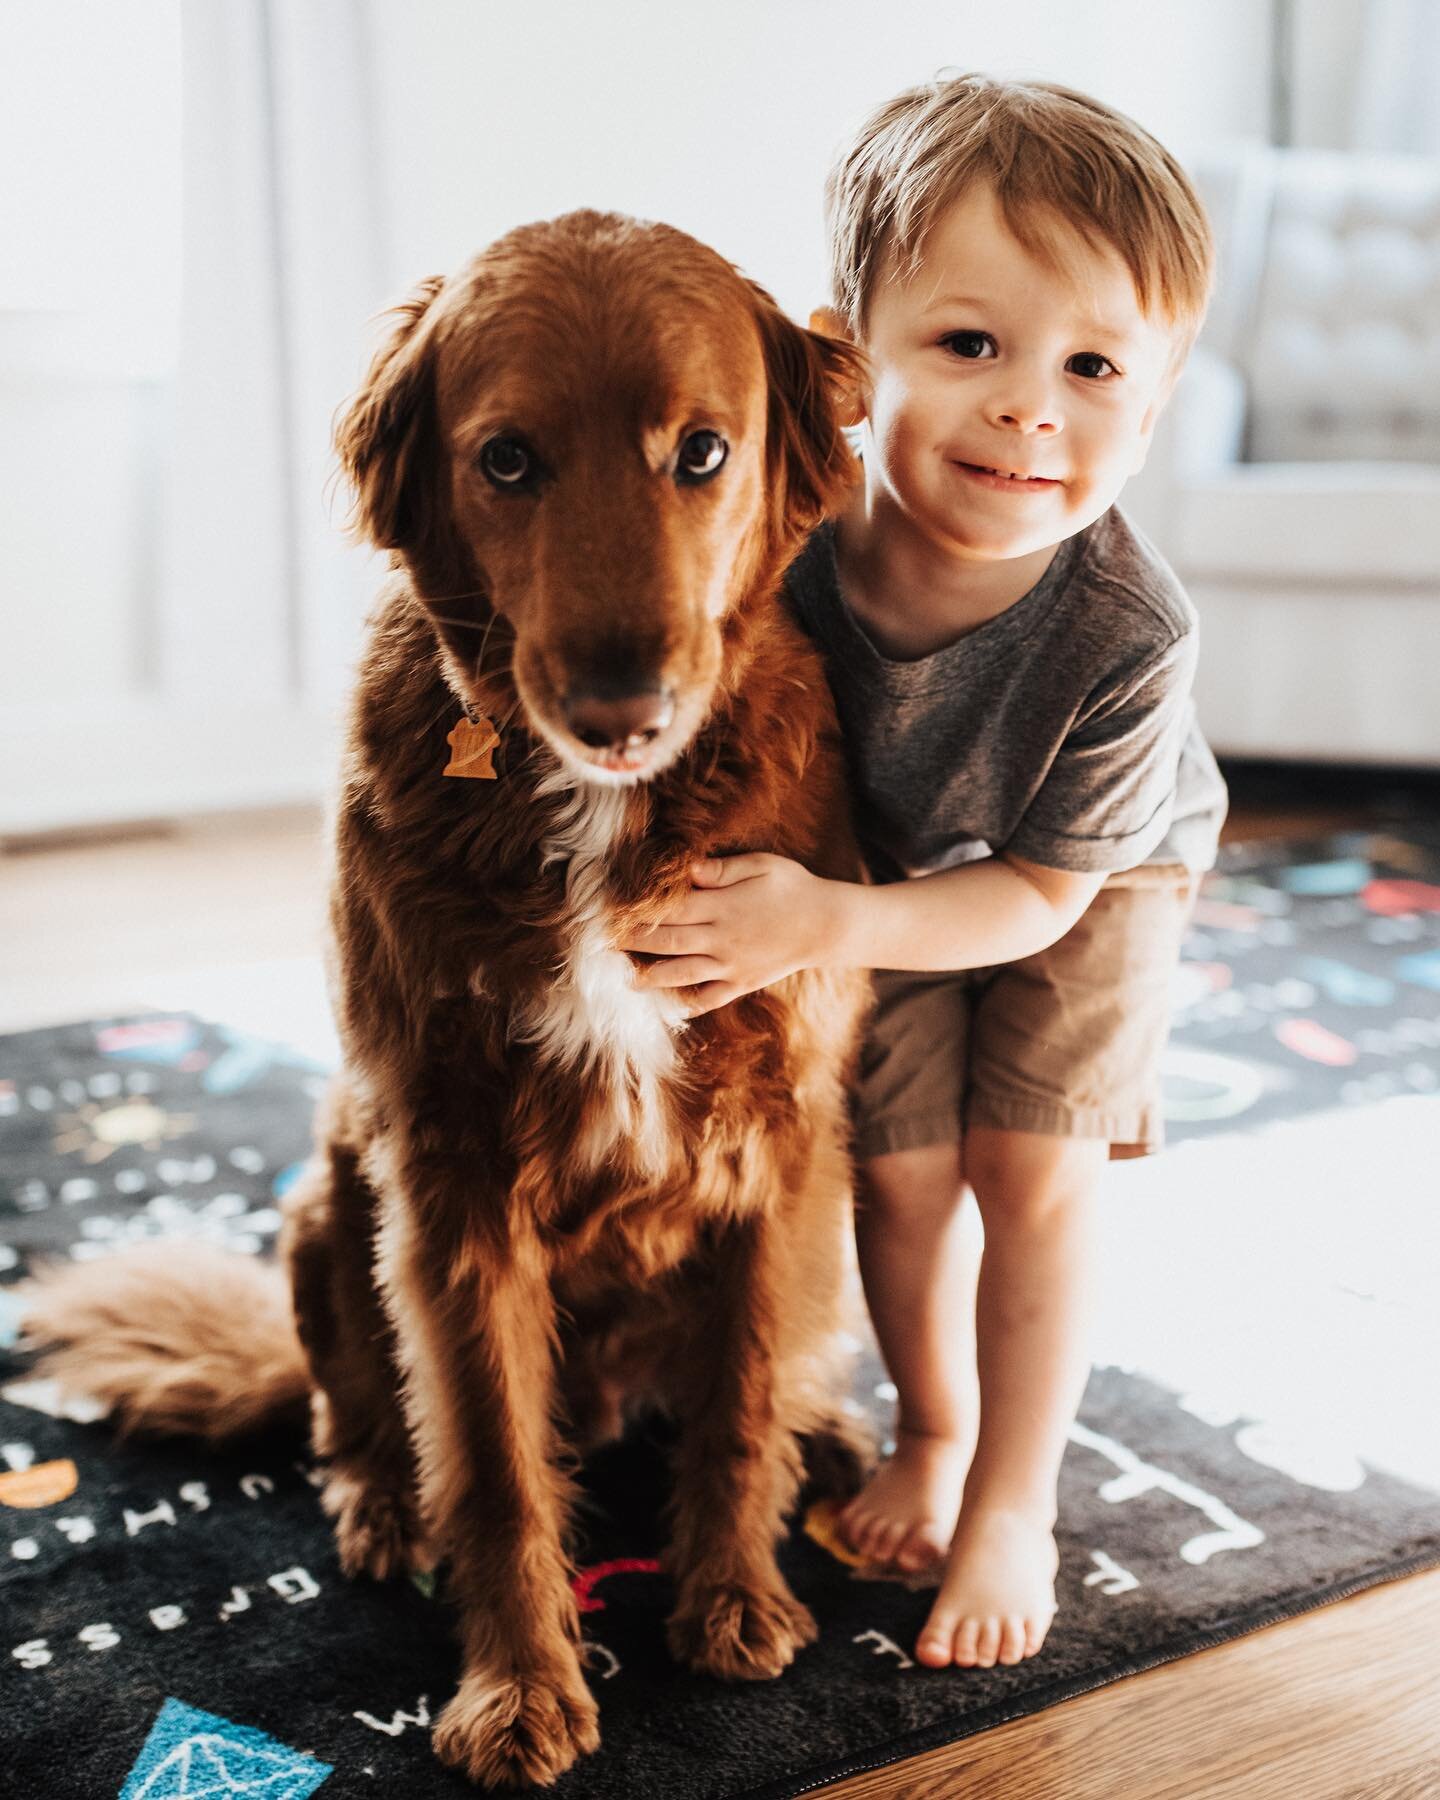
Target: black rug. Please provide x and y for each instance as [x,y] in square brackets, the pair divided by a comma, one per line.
[174,1622]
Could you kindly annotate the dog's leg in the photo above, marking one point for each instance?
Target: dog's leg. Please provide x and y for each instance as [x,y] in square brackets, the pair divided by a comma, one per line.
[475,1326]
[358,1421]
[737,1470]
[839,1454]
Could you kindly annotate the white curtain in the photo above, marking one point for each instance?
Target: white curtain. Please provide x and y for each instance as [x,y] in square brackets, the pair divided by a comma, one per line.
[1397,78]
[1362,74]
[201,609]
[283,262]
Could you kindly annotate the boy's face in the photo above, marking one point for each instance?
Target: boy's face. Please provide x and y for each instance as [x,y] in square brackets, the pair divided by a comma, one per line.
[990,359]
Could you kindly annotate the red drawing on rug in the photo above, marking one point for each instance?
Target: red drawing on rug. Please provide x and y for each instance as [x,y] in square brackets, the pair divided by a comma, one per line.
[1310,1039]
[584,1582]
[1393,899]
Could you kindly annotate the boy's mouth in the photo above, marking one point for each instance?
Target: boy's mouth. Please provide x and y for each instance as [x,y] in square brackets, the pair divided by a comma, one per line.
[1006,478]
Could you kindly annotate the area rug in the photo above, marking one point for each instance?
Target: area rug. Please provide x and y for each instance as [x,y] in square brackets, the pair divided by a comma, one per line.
[174,1622]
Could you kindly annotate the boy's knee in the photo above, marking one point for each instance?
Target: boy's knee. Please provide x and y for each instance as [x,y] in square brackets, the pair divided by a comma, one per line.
[904,1182]
[1022,1175]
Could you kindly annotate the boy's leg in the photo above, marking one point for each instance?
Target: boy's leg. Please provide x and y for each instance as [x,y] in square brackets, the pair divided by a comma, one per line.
[1038,1200]
[917,1233]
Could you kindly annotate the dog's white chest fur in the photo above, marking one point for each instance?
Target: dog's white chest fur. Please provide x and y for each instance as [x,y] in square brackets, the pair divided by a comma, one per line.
[592,1019]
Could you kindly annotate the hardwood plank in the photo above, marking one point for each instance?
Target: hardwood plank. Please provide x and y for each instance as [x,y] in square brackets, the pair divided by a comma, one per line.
[1340,1704]
[87,924]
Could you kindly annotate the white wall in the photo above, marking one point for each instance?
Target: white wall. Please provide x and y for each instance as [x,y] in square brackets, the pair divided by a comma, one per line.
[485,115]
[723,120]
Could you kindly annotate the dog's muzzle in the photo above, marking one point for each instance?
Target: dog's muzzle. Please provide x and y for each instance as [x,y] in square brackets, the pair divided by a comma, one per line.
[620,721]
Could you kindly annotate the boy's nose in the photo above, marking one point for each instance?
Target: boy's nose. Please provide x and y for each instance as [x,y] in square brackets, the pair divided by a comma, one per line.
[1028,407]
[1031,419]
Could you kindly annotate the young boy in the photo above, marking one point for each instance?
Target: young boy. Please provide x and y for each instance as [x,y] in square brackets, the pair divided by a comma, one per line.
[1012,666]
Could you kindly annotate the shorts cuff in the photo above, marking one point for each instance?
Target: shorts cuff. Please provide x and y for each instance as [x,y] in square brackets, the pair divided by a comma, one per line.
[916,1131]
[1133,1134]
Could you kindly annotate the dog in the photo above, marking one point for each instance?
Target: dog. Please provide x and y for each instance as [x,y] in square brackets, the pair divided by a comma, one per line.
[541,1196]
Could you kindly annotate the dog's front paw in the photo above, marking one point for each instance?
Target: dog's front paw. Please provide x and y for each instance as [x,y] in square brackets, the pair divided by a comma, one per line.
[739,1633]
[517,1731]
[376,1531]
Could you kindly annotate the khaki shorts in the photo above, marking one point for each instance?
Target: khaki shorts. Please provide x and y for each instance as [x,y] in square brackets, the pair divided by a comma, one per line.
[1066,1042]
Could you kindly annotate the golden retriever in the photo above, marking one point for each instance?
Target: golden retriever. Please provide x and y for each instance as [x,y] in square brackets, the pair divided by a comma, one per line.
[539,1193]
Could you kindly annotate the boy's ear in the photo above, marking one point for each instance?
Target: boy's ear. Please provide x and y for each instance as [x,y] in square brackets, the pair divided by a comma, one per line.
[850,397]
[1153,412]
[1147,432]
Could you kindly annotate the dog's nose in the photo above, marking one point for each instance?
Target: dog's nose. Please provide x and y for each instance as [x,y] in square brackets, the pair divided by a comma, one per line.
[619,721]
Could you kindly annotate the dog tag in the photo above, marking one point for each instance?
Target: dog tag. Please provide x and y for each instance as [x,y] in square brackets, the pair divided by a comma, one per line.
[472,743]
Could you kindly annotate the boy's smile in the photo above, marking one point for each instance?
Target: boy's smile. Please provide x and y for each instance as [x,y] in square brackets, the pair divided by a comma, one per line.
[1012,395]
[1007,480]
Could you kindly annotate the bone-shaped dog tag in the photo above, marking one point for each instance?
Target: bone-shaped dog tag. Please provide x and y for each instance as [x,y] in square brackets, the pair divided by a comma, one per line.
[472,743]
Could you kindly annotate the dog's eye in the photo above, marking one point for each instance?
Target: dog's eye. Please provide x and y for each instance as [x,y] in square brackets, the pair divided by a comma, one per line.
[506,462]
[701,456]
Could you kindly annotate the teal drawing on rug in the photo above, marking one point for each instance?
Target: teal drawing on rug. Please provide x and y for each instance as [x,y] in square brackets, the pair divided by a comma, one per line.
[1325,879]
[1345,985]
[1423,969]
[246,1058]
[189,1752]
[11,1313]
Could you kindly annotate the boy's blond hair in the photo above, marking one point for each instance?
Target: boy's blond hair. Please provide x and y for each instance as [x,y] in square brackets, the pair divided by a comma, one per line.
[1053,158]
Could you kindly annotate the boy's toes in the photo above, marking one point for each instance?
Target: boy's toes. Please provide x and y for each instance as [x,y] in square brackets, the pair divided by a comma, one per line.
[1035,1633]
[870,1542]
[988,1643]
[919,1548]
[936,1645]
[855,1527]
[866,1536]
[1012,1640]
[966,1643]
[878,1535]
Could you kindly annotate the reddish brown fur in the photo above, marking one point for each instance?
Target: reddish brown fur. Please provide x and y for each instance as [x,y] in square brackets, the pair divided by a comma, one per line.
[455,1240]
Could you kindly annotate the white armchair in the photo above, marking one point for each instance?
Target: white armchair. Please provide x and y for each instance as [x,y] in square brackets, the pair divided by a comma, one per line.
[1294,482]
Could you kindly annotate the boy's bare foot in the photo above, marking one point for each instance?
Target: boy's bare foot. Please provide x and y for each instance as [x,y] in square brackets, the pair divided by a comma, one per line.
[906,1512]
[997,1597]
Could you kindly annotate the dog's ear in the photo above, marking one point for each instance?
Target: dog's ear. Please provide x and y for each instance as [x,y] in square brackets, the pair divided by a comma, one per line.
[817,385]
[380,434]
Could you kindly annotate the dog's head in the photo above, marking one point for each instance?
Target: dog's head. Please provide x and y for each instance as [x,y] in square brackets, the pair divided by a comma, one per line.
[602,439]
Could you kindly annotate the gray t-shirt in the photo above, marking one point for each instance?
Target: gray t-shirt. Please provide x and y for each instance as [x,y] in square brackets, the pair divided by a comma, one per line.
[1062,729]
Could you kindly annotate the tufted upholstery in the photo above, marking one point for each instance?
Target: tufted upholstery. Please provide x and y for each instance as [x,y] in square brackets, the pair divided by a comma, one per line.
[1295,478]
[1344,356]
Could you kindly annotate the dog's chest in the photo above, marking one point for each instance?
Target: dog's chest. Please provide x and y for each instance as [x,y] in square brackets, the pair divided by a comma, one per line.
[591,1022]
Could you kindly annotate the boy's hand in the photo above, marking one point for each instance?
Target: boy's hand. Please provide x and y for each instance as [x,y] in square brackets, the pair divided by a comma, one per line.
[747,921]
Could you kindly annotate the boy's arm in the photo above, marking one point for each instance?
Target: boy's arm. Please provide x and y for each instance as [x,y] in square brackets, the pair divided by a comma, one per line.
[982,913]
[749,920]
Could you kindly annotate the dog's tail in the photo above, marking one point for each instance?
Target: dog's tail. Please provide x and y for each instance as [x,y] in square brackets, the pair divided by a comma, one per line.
[176,1339]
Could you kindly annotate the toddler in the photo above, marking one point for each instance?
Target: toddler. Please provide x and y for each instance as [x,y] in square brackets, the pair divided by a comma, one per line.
[1012,664]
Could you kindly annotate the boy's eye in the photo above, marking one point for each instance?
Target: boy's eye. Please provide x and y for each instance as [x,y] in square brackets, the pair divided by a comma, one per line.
[972,345]
[1091,365]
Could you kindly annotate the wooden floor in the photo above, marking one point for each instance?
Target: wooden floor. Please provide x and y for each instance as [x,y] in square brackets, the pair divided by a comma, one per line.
[1342,1704]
